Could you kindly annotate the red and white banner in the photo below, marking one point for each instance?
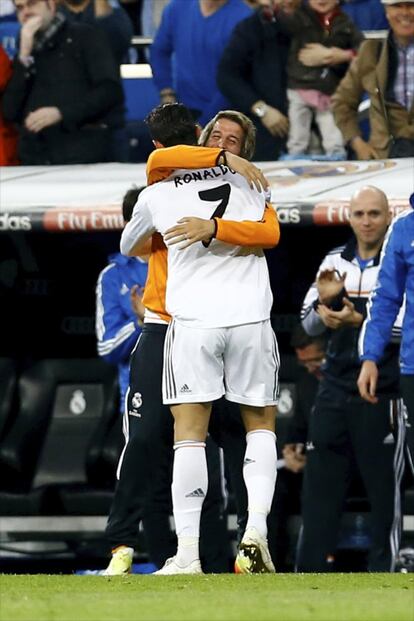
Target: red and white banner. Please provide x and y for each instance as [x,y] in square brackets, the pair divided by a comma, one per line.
[89,197]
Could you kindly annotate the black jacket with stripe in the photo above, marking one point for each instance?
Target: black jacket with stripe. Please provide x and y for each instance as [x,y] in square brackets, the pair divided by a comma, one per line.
[342,364]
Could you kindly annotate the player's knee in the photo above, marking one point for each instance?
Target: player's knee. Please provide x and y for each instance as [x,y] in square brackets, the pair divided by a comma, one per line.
[255,418]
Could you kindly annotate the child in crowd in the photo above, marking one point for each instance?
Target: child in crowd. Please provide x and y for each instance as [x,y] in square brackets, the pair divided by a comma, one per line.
[324,41]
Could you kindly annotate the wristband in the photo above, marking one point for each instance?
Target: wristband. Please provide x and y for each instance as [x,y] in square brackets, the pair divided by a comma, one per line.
[222,156]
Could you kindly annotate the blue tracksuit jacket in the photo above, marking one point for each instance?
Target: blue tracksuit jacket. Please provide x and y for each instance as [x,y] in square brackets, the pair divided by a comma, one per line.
[395,278]
[117,329]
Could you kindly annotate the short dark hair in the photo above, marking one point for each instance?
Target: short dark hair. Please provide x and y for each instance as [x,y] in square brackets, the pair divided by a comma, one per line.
[129,201]
[172,124]
[300,339]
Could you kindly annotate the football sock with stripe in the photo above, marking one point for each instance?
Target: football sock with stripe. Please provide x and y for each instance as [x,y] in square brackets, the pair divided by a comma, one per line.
[189,488]
[259,473]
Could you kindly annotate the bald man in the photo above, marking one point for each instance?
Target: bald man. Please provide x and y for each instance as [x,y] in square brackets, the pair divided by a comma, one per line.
[343,427]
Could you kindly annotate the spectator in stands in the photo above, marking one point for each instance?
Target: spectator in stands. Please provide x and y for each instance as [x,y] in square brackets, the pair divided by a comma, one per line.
[151,12]
[108,16]
[395,282]
[65,92]
[310,354]
[252,75]
[7,10]
[342,425]
[119,307]
[8,134]
[384,70]
[366,14]
[133,8]
[9,27]
[324,40]
[186,51]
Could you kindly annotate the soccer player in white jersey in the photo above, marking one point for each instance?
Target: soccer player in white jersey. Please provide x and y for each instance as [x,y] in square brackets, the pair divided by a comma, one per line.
[220,341]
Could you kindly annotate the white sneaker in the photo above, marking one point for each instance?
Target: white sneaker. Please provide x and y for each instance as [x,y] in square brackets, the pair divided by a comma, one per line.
[172,568]
[253,556]
[121,562]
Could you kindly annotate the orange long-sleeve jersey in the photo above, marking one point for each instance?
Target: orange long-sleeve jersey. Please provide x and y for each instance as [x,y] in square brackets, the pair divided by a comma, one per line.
[161,163]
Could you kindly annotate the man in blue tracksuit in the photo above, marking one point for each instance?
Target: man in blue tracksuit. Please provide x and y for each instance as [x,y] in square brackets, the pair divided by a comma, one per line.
[118,313]
[395,279]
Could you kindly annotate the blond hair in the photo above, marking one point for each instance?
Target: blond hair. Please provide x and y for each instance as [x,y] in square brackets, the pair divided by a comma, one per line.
[249,142]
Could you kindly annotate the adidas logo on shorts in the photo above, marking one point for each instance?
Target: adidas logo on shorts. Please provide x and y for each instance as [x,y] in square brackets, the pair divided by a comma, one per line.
[185,388]
[196,493]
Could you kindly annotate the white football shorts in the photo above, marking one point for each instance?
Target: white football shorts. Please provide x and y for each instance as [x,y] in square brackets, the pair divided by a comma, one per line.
[239,362]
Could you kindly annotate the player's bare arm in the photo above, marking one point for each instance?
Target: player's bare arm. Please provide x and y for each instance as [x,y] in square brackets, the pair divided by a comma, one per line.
[254,176]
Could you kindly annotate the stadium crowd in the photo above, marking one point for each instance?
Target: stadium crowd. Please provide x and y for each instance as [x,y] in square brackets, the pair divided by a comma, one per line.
[290,76]
[295,69]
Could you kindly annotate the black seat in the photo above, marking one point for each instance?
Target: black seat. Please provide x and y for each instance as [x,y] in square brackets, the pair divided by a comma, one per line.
[65,410]
[8,379]
[95,497]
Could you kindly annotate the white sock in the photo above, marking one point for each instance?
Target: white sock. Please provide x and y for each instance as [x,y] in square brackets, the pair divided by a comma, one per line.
[259,473]
[189,488]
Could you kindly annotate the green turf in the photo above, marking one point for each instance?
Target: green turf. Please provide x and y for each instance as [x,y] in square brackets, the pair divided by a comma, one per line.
[282,597]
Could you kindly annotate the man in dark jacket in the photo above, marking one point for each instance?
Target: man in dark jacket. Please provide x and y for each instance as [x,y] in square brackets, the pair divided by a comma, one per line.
[65,92]
[252,75]
[109,17]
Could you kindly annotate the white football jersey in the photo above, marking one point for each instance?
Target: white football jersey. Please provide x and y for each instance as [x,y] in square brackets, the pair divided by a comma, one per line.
[215,285]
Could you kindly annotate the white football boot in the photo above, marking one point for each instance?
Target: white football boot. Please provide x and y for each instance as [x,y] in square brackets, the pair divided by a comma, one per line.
[253,556]
[171,568]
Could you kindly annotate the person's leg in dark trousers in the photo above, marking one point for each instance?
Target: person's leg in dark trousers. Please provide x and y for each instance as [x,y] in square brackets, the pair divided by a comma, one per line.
[286,502]
[407,388]
[214,539]
[326,478]
[227,430]
[147,458]
[379,452]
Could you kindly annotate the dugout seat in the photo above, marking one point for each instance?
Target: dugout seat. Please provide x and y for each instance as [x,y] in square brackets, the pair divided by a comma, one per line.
[8,379]
[65,410]
[95,496]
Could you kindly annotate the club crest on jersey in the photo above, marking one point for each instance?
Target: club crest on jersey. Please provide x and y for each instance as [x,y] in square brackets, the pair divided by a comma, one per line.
[136,400]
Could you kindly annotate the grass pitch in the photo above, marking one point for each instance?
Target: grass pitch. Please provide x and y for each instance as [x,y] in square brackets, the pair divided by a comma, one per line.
[280,597]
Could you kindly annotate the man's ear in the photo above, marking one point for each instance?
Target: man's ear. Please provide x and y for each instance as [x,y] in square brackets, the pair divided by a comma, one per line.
[199,129]
[157,144]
